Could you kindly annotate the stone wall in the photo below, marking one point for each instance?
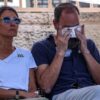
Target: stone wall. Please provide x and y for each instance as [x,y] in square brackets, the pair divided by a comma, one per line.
[37,26]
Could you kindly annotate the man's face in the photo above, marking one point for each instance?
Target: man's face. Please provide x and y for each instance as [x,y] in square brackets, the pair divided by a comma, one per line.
[68,19]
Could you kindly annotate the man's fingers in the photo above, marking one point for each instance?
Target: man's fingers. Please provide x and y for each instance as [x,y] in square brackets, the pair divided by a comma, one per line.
[67,35]
[60,30]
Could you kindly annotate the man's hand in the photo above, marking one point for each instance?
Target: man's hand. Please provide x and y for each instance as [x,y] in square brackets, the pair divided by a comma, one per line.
[81,36]
[61,41]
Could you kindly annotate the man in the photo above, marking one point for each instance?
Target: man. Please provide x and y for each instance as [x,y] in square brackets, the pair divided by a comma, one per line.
[68,63]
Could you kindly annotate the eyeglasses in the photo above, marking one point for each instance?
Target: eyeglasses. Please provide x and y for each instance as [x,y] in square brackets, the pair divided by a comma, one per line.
[8,20]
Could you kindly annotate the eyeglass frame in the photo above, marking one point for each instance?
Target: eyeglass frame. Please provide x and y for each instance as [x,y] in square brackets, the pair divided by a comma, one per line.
[2,19]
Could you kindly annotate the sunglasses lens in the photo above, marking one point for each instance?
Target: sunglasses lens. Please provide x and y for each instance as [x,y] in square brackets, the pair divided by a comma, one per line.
[17,20]
[6,20]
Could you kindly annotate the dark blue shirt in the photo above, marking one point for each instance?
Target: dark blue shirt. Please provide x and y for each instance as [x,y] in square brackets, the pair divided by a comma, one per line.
[74,72]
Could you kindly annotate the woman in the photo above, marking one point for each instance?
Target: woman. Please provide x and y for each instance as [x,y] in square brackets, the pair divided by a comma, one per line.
[16,64]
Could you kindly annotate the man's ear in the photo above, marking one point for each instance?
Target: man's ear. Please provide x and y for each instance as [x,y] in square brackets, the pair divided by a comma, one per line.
[56,25]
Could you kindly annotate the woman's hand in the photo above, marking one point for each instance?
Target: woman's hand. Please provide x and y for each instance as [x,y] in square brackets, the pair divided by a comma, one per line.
[24,94]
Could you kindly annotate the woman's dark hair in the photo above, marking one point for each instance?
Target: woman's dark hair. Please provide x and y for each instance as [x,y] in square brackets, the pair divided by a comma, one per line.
[68,6]
[4,8]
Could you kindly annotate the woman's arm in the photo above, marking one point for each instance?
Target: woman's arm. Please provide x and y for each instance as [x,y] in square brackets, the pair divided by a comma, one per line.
[9,94]
[4,94]
[32,81]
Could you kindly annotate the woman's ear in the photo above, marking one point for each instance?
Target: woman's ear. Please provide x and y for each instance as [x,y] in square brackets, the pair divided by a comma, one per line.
[56,25]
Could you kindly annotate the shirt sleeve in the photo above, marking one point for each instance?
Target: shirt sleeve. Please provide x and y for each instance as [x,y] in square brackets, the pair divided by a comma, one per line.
[31,61]
[94,51]
[40,54]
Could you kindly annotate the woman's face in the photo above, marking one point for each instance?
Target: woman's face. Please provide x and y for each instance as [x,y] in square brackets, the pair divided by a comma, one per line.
[8,25]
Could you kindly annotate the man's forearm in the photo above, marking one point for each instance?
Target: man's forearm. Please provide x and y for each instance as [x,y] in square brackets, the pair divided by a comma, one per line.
[93,66]
[51,73]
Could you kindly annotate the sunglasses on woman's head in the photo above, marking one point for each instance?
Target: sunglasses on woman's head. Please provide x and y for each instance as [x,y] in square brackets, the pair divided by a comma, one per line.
[8,20]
